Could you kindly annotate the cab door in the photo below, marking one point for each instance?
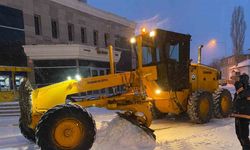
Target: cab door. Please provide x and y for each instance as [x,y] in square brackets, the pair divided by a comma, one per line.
[173,60]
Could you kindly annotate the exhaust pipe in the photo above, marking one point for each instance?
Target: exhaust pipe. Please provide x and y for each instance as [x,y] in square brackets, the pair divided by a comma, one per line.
[199,53]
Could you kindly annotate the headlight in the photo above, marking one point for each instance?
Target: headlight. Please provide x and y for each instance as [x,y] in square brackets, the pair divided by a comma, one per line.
[133,40]
[152,34]
[158,91]
[78,77]
[69,78]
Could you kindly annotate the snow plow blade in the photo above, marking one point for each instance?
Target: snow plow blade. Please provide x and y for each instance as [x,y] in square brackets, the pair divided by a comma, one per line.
[132,120]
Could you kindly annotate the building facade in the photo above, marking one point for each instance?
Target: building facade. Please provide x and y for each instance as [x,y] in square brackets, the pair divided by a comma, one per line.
[12,37]
[233,66]
[65,23]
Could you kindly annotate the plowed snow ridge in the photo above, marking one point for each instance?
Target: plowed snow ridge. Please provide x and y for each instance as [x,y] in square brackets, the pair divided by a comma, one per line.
[119,134]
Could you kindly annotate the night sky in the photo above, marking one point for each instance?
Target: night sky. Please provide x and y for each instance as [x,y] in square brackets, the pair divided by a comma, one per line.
[203,19]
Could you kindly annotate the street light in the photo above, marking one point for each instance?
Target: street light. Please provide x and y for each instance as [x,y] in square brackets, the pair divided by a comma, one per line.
[213,44]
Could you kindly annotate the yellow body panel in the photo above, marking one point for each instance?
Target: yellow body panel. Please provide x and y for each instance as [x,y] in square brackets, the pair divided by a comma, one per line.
[167,104]
[165,100]
[203,78]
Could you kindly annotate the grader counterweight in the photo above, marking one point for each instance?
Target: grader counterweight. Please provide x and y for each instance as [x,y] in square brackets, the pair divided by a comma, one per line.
[164,81]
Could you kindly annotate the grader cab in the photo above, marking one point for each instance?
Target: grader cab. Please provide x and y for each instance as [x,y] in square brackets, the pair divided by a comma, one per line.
[164,81]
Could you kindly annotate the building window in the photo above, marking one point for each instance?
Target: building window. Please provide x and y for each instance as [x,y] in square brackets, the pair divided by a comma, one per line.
[106,39]
[121,42]
[55,29]
[83,35]
[71,32]
[38,25]
[117,40]
[95,37]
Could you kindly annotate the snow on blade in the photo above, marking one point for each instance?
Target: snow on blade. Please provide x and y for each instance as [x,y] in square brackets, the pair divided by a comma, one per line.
[120,134]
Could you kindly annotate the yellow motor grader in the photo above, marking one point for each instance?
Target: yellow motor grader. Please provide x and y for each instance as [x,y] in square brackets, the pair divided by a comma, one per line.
[164,81]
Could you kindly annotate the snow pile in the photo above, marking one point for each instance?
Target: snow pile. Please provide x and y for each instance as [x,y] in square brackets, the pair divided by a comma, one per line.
[230,87]
[119,134]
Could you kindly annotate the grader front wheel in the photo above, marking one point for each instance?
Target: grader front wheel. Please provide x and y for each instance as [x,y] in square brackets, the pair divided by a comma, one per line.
[200,107]
[222,103]
[27,132]
[66,127]
[25,111]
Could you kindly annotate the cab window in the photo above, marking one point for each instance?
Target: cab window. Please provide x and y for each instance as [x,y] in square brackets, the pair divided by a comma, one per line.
[174,52]
[146,56]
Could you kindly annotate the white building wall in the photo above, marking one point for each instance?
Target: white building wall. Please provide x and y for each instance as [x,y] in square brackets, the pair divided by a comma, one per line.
[69,11]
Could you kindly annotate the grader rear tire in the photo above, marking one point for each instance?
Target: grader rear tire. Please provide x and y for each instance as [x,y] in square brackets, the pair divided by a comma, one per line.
[200,106]
[223,103]
[66,127]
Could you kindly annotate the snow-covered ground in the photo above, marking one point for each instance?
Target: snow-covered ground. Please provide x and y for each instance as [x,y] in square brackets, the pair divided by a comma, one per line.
[117,134]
